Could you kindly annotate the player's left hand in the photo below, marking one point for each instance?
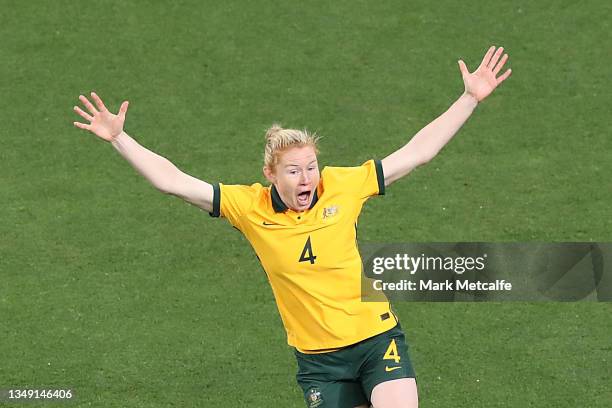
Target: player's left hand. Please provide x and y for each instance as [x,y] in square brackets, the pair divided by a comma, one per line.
[484,80]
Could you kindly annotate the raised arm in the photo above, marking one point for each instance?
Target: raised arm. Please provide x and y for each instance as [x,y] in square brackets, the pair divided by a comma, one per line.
[158,170]
[426,144]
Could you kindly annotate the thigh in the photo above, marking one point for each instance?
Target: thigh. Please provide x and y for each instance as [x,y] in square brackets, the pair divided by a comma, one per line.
[327,381]
[387,360]
[333,394]
[400,393]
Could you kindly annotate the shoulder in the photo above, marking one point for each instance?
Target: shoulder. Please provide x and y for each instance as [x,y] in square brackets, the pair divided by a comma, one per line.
[253,189]
[236,199]
[333,171]
[354,178]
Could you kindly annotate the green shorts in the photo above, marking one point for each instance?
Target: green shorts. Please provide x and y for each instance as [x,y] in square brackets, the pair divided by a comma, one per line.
[345,378]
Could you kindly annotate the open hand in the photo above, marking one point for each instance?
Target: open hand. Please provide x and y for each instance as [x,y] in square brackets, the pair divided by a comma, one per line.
[102,123]
[484,80]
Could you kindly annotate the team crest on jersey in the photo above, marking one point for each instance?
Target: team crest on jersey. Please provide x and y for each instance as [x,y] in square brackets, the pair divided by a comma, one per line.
[330,211]
[314,398]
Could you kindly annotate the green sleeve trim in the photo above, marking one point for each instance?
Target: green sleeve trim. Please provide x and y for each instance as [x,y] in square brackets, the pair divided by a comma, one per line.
[380,176]
[216,211]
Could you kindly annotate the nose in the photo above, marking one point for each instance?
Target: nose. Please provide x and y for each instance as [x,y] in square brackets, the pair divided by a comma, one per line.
[304,178]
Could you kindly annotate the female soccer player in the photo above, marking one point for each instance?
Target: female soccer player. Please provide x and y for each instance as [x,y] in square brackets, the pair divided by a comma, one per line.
[302,228]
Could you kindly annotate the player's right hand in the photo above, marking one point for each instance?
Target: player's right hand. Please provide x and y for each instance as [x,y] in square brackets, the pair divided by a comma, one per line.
[102,123]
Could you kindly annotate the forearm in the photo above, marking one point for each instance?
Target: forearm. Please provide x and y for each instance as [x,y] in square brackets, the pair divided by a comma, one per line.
[426,144]
[158,170]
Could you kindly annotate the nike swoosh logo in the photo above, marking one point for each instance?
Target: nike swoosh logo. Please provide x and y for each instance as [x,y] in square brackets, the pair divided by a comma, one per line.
[387,368]
[268,223]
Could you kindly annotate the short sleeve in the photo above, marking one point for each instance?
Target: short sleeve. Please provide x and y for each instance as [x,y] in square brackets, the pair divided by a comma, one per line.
[233,201]
[365,180]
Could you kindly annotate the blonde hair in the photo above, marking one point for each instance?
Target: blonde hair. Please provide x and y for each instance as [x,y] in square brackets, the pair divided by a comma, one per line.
[279,139]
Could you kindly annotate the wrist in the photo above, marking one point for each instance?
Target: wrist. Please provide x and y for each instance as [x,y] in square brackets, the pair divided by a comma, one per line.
[469,99]
[118,138]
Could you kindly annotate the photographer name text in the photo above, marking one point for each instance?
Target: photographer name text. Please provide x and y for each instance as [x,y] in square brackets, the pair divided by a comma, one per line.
[448,285]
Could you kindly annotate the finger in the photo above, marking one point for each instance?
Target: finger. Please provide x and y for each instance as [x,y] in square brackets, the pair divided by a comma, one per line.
[123,109]
[463,68]
[500,64]
[83,114]
[88,105]
[98,102]
[82,125]
[487,57]
[495,58]
[504,76]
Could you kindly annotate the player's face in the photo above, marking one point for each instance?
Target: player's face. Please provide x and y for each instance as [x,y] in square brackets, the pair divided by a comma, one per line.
[296,177]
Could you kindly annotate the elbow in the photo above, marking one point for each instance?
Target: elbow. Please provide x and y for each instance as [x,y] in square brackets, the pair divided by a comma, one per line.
[164,187]
[163,190]
[420,161]
[168,182]
[426,157]
[421,157]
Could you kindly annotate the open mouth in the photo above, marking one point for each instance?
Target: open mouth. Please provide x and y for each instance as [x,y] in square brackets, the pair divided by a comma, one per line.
[303,198]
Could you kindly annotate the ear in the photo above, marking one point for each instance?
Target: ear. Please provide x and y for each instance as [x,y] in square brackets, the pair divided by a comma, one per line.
[269,174]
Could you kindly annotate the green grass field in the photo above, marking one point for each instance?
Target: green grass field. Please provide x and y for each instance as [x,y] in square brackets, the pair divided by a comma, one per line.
[135,299]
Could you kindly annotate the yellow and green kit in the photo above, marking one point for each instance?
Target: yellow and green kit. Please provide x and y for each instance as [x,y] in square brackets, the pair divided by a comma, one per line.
[311,257]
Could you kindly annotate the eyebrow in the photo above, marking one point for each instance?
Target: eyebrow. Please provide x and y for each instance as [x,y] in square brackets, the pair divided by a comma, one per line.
[297,165]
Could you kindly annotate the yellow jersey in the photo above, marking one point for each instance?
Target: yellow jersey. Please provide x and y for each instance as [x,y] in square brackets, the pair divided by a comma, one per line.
[311,257]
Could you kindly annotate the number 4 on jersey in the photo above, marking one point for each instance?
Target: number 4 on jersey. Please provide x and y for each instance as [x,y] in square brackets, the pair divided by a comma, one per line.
[307,254]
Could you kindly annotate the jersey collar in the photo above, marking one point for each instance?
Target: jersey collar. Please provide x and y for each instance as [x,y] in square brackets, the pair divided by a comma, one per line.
[278,204]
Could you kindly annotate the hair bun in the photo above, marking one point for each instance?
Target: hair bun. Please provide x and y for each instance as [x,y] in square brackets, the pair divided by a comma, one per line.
[273,131]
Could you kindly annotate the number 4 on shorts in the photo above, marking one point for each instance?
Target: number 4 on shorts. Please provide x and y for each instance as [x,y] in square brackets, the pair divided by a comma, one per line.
[391,353]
